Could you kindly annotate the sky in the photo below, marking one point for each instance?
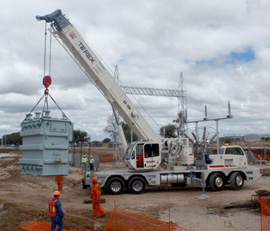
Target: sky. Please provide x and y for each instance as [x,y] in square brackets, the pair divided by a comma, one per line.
[221,47]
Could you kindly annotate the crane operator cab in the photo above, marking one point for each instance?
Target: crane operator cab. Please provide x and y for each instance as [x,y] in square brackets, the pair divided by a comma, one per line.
[143,155]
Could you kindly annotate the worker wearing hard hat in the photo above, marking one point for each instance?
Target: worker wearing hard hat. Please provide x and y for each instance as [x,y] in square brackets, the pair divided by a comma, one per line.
[139,161]
[59,180]
[55,212]
[91,163]
[84,162]
[96,198]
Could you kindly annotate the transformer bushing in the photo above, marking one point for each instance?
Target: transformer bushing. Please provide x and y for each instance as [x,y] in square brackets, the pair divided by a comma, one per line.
[45,149]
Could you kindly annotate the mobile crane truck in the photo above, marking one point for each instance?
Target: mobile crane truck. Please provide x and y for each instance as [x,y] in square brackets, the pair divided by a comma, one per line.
[144,158]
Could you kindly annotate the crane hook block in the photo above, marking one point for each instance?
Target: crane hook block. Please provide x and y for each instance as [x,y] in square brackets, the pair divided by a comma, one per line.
[47,81]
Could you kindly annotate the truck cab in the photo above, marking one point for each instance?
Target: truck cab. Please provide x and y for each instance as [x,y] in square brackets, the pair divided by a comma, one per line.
[229,156]
[143,155]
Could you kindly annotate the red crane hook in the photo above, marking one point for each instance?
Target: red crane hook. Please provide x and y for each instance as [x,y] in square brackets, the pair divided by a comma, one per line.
[47,81]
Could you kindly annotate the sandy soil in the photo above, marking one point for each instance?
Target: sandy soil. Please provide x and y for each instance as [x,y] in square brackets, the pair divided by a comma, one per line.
[24,198]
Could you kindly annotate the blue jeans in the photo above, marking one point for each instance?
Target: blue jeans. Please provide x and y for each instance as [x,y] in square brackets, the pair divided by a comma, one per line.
[84,166]
[57,221]
[91,167]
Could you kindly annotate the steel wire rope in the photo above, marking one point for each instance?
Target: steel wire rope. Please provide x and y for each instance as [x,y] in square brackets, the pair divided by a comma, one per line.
[34,107]
[45,48]
[45,66]
[50,55]
[109,69]
[45,104]
[74,59]
[58,107]
[44,69]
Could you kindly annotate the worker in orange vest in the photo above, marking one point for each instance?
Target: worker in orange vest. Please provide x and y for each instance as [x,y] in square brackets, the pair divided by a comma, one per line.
[59,180]
[139,161]
[55,212]
[96,197]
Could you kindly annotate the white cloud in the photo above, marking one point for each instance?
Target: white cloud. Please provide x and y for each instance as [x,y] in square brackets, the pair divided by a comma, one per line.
[151,42]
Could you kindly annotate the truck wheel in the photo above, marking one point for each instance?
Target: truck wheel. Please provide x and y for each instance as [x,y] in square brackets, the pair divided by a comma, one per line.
[216,182]
[115,185]
[136,185]
[236,180]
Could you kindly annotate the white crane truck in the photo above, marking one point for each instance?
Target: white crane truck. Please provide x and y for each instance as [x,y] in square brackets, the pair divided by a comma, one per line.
[229,167]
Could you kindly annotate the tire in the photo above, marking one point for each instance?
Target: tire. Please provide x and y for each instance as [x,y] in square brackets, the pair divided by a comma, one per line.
[236,180]
[136,185]
[216,182]
[115,185]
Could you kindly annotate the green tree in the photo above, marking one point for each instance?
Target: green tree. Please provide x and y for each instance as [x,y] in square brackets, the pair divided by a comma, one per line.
[112,130]
[96,143]
[126,130]
[106,140]
[79,136]
[168,131]
[13,138]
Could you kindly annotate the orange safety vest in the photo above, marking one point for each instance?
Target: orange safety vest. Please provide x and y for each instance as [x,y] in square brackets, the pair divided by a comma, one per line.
[52,208]
[96,193]
[139,161]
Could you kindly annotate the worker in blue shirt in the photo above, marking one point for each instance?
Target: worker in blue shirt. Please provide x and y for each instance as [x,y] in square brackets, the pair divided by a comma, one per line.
[55,212]
[91,163]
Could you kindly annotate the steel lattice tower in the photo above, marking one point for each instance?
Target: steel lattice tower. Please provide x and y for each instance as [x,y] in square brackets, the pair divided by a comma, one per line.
[117,149]
[180,94]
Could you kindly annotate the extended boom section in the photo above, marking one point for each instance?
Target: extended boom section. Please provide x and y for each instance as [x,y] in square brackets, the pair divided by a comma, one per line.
[99,75]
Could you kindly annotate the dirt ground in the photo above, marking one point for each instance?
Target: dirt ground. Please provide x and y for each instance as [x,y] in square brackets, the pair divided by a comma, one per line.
[24,198]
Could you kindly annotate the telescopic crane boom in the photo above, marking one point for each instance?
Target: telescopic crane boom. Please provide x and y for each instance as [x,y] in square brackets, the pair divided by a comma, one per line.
[145,154]
[99,75]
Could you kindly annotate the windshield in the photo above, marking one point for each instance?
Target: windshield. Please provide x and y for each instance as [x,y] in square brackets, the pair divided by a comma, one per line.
[222,150]
[129,150]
